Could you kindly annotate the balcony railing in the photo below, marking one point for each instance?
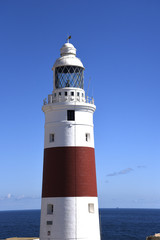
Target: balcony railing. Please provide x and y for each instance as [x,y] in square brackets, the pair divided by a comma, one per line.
[52,99]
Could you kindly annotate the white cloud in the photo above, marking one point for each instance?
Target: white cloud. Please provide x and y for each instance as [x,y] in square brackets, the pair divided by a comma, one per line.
[122,172]
[8,196]
[141,166]
[19,197]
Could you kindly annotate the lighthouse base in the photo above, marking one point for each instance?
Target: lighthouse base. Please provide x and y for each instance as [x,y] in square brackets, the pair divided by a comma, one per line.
[65,218]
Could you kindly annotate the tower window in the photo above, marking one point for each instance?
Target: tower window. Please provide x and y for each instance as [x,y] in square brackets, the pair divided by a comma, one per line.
[55,95]
[77,94]
[51,137]
[59,93]
[91,207]
[72,93]
[49,208]
[49,222]
[82,94]
[87,136]
[70,115]
[65,93]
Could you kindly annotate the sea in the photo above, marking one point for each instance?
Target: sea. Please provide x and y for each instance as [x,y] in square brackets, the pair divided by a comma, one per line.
[116,224]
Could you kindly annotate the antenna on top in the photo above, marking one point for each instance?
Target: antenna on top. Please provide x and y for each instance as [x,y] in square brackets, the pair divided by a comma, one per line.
[69,37]
[92,92]
[88,85]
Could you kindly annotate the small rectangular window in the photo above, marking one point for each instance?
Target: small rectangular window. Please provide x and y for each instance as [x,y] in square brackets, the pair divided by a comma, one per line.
[70,115]
[49,222]
[49,208]
[82,94]
[51,137]
[91,207]
[72,93]
[77,94]
[87,135]
[49,233]
[65,93]
[55,95]
[59,93]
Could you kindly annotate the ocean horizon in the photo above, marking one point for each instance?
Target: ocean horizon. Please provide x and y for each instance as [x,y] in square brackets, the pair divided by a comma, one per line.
[115,223]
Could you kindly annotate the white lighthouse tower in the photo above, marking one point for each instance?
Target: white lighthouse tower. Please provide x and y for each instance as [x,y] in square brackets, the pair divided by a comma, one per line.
[69,191]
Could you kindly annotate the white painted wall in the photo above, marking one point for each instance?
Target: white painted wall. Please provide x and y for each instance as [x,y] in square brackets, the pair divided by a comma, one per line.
[58,112]
[71,219]
[56,97]
[69,133]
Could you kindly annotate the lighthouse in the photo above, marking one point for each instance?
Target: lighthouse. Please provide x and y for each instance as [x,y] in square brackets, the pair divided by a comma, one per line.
[69,208]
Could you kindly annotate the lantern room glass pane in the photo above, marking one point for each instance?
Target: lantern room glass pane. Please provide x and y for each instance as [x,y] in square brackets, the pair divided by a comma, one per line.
[69,76]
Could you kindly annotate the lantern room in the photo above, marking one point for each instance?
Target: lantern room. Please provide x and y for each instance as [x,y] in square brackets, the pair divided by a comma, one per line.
[68,69]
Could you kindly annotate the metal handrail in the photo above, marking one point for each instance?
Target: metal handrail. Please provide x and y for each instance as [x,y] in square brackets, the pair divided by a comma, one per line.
[87,99]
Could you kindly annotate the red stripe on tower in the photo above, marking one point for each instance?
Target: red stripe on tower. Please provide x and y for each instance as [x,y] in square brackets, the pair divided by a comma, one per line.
[73,169]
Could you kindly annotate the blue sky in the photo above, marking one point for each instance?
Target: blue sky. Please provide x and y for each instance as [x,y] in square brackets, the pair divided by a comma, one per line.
[119,45]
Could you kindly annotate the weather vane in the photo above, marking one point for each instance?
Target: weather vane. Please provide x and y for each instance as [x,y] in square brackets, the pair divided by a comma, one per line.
[69,37]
